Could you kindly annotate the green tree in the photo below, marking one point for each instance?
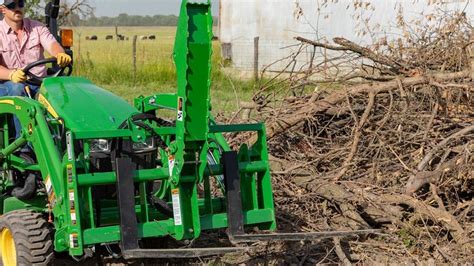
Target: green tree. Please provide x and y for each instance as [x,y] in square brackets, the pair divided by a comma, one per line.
[34,9]
[69,12]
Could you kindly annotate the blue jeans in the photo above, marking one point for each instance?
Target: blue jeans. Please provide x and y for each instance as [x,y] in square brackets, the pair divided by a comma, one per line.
[8,88]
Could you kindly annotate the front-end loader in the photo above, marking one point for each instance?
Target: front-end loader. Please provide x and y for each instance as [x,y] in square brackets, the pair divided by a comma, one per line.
[107,174]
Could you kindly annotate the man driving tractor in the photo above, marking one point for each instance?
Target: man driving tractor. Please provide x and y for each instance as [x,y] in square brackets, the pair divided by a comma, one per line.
[23,41]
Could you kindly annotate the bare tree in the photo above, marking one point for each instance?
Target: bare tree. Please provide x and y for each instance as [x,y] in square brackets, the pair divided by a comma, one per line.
[74,9]
[70,12]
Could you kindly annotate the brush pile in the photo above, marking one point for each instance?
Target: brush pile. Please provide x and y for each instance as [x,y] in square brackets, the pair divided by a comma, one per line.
[375,137]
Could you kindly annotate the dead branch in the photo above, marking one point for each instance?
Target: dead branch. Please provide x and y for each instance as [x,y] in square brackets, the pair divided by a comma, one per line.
[429,156]
[399,67]
[380,140]
[433,213]
[421,178]
[336,97]
[357,134]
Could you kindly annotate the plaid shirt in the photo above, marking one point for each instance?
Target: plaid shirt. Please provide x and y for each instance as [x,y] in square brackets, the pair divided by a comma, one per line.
[35,40]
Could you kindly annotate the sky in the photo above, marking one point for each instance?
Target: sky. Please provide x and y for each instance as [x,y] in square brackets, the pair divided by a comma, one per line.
[112,8]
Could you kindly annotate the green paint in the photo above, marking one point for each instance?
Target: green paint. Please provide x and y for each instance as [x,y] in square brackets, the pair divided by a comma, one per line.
[10,204]
[85,112]
[71,95]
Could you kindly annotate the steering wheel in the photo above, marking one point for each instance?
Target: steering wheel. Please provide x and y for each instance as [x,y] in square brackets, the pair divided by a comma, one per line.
[35,80]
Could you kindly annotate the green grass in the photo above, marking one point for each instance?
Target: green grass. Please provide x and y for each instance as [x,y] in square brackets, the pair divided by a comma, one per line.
[109,64]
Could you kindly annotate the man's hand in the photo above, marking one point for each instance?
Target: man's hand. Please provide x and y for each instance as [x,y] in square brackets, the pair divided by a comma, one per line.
[63,59]
[17,76]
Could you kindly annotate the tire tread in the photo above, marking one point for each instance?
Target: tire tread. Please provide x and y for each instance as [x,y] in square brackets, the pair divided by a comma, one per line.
[32,236]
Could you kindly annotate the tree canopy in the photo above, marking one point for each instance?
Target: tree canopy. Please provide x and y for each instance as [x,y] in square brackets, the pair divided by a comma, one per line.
[81,13]
[126,20]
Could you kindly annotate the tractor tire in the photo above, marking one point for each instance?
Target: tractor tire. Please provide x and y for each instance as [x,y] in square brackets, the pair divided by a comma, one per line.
[25,239]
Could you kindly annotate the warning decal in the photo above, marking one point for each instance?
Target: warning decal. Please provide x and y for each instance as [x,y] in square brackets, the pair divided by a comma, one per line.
[176,207]
[73,240]
[48,185]
[171,164]
[69,173]
[180,109]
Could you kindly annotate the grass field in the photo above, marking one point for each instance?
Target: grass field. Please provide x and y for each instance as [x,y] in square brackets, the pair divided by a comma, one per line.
[109,64]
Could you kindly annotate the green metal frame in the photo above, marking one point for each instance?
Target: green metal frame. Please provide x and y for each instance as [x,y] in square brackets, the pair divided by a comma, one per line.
[184,166]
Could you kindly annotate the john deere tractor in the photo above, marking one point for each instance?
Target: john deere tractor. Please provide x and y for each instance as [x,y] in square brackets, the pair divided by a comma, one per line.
[104,172]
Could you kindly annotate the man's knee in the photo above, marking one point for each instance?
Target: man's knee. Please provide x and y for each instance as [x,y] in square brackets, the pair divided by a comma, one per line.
[17,89]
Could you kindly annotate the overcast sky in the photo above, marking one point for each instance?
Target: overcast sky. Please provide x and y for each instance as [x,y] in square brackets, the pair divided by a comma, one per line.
[140,7]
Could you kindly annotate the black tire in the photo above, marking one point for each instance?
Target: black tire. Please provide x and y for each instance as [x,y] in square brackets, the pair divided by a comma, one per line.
[26,182]
[32,237]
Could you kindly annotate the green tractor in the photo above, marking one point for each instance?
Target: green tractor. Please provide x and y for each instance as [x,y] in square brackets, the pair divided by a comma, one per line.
[106,175]
[105,172]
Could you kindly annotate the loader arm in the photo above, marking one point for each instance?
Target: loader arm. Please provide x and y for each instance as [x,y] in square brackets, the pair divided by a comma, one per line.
[32,116]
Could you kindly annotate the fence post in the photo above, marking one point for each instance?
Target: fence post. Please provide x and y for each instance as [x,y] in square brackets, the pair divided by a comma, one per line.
[116,33]
[134,58]
[255,58]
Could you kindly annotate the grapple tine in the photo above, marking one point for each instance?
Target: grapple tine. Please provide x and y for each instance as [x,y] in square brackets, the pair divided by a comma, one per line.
[299,236]
[180,253]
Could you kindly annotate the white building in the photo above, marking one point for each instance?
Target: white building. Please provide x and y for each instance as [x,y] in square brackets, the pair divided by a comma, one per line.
[278,22]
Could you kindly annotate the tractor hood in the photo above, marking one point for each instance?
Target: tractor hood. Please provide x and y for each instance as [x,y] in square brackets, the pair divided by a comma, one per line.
[82,105]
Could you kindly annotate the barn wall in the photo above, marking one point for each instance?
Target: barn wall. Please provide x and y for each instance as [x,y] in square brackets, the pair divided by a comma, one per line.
[276,23]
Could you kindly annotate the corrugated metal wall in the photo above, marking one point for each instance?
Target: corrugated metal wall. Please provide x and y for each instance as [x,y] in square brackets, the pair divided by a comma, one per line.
[276,23]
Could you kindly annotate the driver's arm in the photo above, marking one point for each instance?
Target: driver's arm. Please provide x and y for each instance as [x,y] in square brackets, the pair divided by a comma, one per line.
[52,46]
[5,73]
[15,75]
[57,51]
[56,48]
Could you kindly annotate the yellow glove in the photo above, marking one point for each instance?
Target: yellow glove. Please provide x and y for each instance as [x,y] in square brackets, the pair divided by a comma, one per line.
[63,59]
[17,76]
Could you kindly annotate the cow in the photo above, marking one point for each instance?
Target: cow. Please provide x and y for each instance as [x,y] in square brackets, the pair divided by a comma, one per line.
[120,37]
[143,37]
[109,37]
[93,38]
[152,37]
